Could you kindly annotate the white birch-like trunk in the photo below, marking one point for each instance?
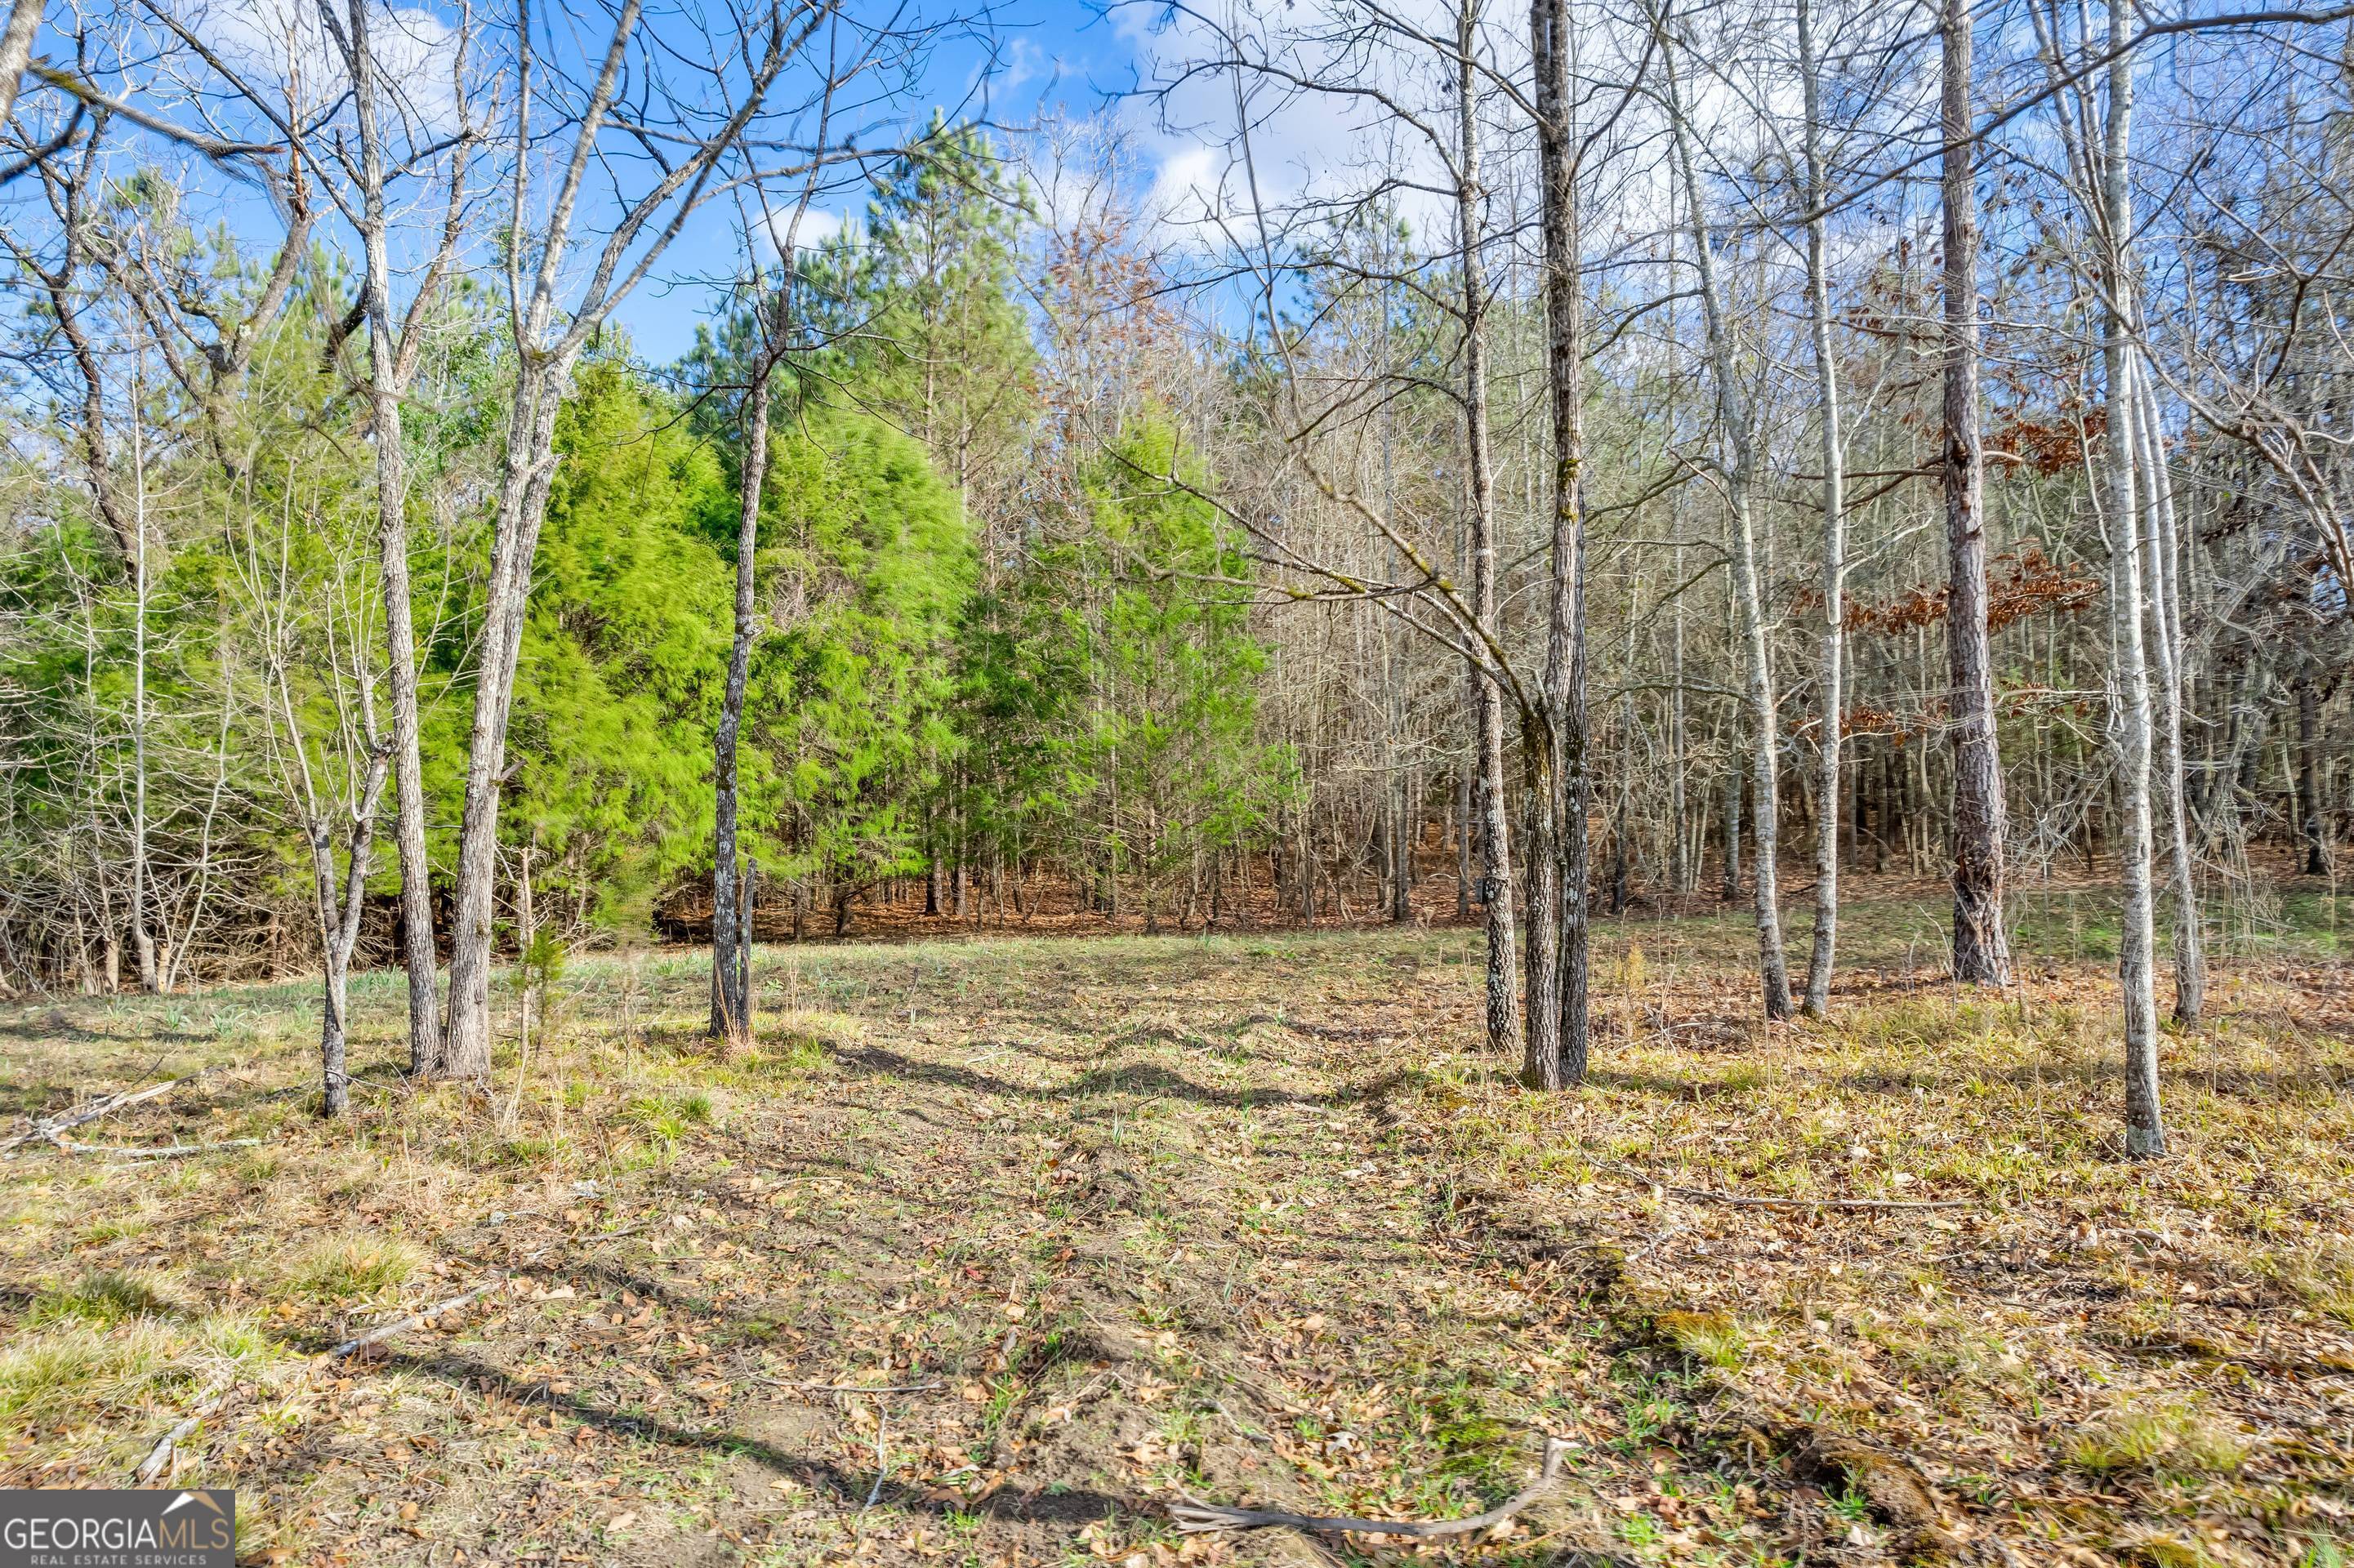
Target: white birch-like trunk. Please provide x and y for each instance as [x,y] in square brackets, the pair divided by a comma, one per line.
[1503,938]
[1834,636]
[2130,721]
[2159,557]
[1740,480]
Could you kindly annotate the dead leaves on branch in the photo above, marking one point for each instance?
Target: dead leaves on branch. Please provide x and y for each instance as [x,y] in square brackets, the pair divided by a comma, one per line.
[2019,583]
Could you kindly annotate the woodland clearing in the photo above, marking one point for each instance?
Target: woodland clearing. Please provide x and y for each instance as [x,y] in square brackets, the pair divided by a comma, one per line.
[1252,1218]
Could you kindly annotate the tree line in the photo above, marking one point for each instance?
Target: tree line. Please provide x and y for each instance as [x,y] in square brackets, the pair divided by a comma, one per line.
[1531,462]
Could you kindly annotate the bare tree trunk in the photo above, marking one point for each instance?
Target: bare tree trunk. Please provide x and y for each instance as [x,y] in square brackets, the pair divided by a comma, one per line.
[1818,309]
[17,51]
[143,940]
[730,1009]
[520,509]
[334,1073]
[1403,831]
[932,862]
[385,387]
[1732,889]
[1685,874]
[2130,721]
[2307,810]
[1395,808]
[748,893]
[1504,947]
[1464,791]
[1556,1056]
[1981,943]
[2157,539]
[1773,965]
[339,928]
[546,351]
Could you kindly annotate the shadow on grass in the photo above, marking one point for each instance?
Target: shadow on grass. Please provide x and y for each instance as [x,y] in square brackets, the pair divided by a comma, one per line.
[1139,1079]
[1072,1506]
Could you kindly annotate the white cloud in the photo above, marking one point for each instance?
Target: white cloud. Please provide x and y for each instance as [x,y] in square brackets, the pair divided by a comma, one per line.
[1297,76]
[281,48]
[814,227]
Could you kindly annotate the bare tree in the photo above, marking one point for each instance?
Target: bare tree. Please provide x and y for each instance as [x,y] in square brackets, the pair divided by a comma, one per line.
[548,338]
[1556,1058]
[1738,433]
[1505,1017]
[2160,557]
[393,347]
[315,637]
[731,947]
[1815,195]
[2130,722]
[1980,817]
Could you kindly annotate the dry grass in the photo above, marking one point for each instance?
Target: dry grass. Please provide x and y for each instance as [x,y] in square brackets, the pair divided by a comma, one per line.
[1255,1218]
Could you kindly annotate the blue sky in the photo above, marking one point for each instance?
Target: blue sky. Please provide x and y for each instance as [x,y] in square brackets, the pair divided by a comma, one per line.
[1053,58]
[1037,60]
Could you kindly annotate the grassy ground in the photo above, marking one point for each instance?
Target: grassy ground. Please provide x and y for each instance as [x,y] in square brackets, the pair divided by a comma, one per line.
[1256,1220]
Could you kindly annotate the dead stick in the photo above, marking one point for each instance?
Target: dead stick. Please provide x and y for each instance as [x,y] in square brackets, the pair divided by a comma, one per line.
[131,1151]
[1194,1517]
[375,1336]
[161,1455]
[49,1130]
[882,1460]
[1740,1201]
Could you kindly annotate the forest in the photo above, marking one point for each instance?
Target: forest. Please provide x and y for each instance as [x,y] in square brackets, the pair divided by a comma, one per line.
[1680,667]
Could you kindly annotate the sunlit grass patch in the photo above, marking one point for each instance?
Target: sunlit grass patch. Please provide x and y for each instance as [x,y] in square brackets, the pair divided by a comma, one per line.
[352,1266]
[109,1296]
[82,1365]
[1711,1337]
[110,1228]
[668,1118]
[78,1380]
[1172,1154]
[2320,1274]
[2161,1434]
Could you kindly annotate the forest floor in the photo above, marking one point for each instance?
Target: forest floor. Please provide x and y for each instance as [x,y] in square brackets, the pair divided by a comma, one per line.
[990,1251]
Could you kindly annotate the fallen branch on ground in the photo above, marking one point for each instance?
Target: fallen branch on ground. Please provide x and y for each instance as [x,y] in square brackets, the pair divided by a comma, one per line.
[850,1388]
[1740,1200]
[169,1446]
[169,1151]
[52,1129]
[882,1461]
[1194,1517]
[402,1326]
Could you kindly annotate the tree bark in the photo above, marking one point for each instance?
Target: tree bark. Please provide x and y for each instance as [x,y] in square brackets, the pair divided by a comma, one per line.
[1503,947]
[1741,481]
[143,940]
[385,388]
[522,507]
[17,51]
[2158,541]
[730,1007]
[339,928]
[1464,791]
[1557,1057]
[2130,721]
[1980,825]
[1730,891]
[1834,635]
[2308,780]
